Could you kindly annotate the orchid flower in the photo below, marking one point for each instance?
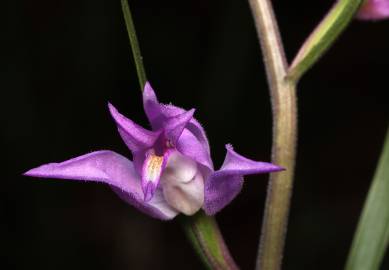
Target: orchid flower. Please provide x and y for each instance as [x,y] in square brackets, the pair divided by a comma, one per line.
[374,10]
[171,171]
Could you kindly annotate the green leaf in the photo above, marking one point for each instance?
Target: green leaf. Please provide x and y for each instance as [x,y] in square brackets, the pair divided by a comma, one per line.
[323,37]
[372,234]
[205,236]
[140,69]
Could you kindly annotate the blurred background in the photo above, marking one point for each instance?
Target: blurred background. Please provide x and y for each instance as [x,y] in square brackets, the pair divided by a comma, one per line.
[62,61]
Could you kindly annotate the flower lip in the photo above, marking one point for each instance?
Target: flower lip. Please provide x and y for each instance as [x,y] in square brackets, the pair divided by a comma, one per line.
[148,191]
[153,167]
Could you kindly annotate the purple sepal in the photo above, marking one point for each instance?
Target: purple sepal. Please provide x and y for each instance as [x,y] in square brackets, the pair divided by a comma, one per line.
[158,114]
[134,136]
[110,168]
[156,207]
[175,125]
[223,185]
[189,145]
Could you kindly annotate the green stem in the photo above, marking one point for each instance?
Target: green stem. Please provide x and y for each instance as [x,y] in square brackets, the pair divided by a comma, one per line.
[284,107]
[134,44]
[323,37]
[207,240]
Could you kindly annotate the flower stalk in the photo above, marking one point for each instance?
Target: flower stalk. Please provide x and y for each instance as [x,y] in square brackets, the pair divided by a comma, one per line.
[325,34]
[206,238]
[284,107]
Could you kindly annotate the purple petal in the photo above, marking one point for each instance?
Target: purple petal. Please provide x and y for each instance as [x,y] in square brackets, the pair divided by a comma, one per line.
[374,10]
[175,125]
[137,159]
[190,146]
[151,105]
[110,168]
[220,192]
[134,136]
[223,185]
[158,114]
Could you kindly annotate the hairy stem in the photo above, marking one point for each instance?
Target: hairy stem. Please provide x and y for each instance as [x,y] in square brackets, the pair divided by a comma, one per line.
[284,107]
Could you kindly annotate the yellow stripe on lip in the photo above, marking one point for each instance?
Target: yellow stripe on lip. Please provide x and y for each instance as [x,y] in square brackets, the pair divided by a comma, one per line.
[153,167]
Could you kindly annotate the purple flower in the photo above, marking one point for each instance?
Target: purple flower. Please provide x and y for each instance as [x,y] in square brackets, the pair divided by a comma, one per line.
[374,10]
[171,171]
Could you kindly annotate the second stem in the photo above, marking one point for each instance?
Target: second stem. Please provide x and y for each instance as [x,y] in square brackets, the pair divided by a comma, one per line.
[284,105]
[279,192]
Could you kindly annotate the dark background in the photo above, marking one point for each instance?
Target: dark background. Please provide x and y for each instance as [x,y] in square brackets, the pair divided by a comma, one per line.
[63,60]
